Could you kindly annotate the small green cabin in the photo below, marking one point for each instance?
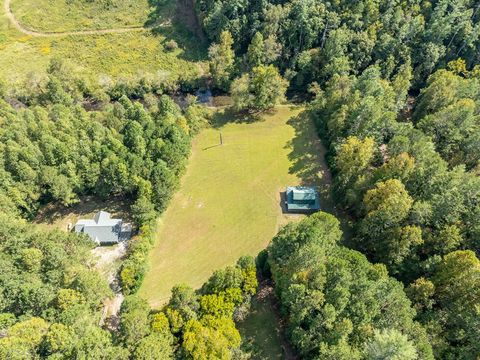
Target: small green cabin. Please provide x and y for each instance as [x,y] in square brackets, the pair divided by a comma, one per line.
[302,199]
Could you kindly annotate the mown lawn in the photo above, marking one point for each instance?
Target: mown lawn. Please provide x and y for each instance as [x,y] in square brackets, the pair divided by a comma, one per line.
[104,58]
[66,15]
[229,203]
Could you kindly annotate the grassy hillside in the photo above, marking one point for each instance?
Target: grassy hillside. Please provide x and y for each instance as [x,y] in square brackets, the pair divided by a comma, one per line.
[230,201]
[104,56]
[65,15]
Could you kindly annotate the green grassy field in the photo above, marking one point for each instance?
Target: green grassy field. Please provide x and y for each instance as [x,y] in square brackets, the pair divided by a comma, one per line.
[66,15]
[229,203]
[107,56]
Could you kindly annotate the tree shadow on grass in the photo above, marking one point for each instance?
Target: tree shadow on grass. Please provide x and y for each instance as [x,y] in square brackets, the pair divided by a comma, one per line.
[309,164]
[307,156]
[228,115]
[176,20]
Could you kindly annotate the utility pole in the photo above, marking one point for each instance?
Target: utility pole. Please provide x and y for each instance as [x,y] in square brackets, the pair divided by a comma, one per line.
[221,139]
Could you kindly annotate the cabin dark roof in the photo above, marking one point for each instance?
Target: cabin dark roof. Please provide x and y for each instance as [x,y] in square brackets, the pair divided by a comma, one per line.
[302,199]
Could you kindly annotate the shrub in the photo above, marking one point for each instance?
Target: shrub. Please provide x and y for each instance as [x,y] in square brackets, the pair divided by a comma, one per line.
[171,45]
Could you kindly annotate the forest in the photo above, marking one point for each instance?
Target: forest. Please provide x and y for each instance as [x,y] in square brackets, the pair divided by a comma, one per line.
[393,88]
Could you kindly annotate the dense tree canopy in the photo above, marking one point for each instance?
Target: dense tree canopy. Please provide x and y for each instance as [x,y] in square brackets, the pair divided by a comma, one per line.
[50,296]
[318,40]
[338,304]
[57,151]
[448,111]
[53,149]
[410,206]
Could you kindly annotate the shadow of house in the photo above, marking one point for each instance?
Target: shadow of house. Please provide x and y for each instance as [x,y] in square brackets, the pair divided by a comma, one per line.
[283,202]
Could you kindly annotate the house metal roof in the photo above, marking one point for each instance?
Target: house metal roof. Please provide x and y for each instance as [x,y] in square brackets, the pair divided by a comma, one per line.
[304,194]
[302,198]
[103,229]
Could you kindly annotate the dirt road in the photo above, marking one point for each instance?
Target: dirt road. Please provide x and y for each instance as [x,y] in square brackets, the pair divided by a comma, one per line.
[11,17]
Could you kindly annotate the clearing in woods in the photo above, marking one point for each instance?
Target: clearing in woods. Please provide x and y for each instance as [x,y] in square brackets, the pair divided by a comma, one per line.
[230,201]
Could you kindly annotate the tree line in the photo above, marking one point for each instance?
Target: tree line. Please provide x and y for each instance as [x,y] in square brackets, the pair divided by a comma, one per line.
[412,210]
[311,40]
[50,295]
[337,304]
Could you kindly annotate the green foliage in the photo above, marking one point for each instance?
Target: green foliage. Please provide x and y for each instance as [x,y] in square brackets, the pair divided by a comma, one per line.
[160,323]
[135,321]
[448,303]
[334,299]
[390,344]
[415,206]
[134,267]
[256,51]
[411,188]
[203,320]
[222,60]
[23,339]
[353,159]
[122,149]
[31,259]
[53,150]
[216,305]
[49,295]
[212,338]
[59,339]
[321,229]
[32,280]
[67,298]
[260,90]
[154,347]
[387,204]
[447,110]
[263,51]
[322,40]
[421,292]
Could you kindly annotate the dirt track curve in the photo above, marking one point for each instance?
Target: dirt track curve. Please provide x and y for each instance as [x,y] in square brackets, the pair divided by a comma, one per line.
[21,28]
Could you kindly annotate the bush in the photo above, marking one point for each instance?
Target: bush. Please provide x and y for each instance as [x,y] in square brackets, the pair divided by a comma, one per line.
[134,267]
[171,45]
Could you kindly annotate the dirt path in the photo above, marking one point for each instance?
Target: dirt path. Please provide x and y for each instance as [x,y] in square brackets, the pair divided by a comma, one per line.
[11,17]
[187,15]
[266,293]
[107,263]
